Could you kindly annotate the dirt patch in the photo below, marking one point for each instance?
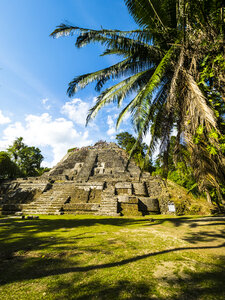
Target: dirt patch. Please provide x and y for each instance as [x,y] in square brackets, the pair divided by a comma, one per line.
[171,270]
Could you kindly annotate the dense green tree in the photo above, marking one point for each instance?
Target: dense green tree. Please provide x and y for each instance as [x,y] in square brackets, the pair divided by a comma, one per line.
[42,170]
[8,169]
[127,142]
[173,66]
[178,170]
[27,158]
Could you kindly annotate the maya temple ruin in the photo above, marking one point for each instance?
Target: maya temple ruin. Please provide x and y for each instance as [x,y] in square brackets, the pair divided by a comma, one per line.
[91,180]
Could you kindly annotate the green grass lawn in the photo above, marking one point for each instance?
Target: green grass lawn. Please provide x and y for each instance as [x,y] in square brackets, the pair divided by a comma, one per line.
[88,257]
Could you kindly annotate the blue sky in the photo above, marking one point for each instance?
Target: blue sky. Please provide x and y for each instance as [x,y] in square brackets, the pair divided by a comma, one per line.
[35,70]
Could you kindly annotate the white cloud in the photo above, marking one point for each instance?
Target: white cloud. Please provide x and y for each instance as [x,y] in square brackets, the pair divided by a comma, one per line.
[111,131]
[111,124]
[94,100]
[44,131]
[44,102]
[76,110]
[110,121]
[3,119]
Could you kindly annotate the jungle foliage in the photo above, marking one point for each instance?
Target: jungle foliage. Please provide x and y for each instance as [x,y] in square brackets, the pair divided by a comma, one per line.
[126,141]
[20,160]
[172,72]
[8,169]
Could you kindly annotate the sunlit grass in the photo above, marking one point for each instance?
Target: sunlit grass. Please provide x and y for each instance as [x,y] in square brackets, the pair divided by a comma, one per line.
[88,257]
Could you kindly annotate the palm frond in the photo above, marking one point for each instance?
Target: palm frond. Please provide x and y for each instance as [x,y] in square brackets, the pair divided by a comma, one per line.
[150,13]
[86,35]
[157,76]
[82,81]
[198,112]
[119,92]
[172,95]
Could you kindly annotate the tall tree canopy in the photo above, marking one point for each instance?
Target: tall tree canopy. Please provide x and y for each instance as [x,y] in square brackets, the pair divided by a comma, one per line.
[127,141]
[28,159]
[8,169]
[174,70]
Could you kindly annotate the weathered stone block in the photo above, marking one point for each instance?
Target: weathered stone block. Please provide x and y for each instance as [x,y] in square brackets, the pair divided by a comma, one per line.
[90,185]
[95,196]
[149,204]
[133,200]
[123,198]
[123,192]
[79,196]
[123,185]
[124,188]
[130,209]
[140,189]
[154,187]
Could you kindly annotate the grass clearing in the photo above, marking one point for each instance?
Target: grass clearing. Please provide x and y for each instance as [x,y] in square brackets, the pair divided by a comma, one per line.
[89,257]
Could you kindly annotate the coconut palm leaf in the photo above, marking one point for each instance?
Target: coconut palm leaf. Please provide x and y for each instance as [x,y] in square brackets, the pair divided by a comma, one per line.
[174,69]
[119,91]
[151,13]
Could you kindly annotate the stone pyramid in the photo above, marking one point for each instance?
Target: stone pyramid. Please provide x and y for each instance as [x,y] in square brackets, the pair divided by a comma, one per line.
[90,180]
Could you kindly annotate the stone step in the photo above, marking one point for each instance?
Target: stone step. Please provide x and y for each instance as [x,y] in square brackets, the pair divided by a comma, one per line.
[109,202]
[45,205]
[41,212]
[50,201]
[81,206]
[44,213]
[42,209]
[109,206]
[107,214]
[109,199]
[79,212]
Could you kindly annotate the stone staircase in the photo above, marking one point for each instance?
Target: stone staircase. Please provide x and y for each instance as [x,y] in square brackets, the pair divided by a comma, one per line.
[109,203]
[81,208]
[50,202]
[85,173]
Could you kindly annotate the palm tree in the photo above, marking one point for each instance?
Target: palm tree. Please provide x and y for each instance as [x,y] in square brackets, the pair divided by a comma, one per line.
[174,70]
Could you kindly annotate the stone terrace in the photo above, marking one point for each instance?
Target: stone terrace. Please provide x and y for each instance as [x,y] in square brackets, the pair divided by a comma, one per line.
[91,180]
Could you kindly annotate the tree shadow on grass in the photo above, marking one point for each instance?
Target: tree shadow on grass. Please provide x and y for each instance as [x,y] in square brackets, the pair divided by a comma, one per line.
[20,236]
[47,225]
[207,284]
[205,236]
[42,267]
[196,285]
[180,221]
[95,289]
[17,234]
